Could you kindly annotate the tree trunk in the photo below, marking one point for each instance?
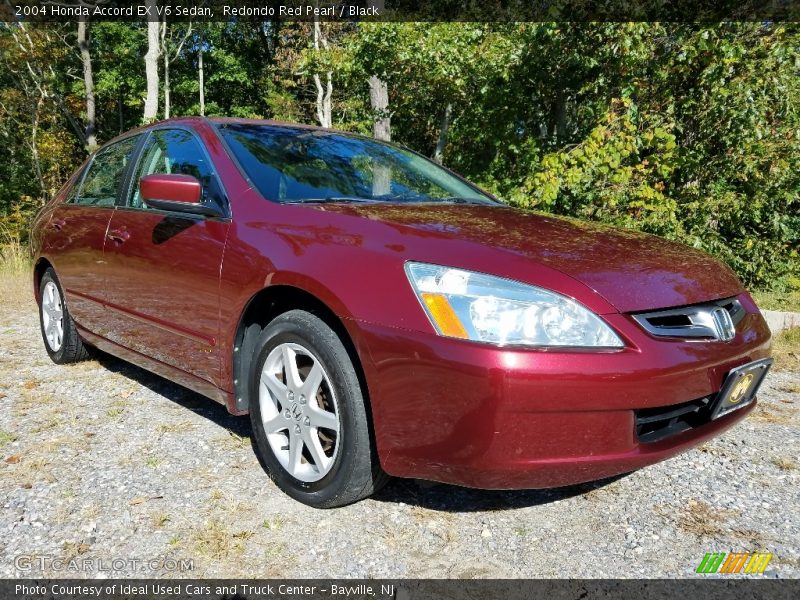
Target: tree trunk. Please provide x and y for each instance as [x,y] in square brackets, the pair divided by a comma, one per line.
[119,111]
[88,83]
[324,112]
[324,93]
[37,164]
[168,58]
[441,143]
[151,65]
[381,130]
[201,82]
[558,117]
[379,102]
[165,54]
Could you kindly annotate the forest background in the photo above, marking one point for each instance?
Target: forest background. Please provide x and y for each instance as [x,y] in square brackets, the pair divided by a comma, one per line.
[688,131]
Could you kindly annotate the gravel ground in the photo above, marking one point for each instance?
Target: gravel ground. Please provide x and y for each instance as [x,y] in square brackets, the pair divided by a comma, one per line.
[104,461]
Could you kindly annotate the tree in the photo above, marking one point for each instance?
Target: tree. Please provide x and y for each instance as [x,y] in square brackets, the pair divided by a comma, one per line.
[151,64]
[88,82]
[324,109]
[170,52]
[689,131]
[379,102]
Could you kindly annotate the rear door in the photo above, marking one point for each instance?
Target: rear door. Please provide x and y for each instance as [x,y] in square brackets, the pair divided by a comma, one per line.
[78,232]
[163,268]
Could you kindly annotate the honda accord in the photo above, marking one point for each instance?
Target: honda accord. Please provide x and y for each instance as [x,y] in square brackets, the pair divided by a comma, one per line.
[378,315]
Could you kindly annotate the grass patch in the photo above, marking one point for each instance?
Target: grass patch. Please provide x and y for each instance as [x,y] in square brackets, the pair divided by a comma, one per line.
[216,542]
[774,414]
[16,291]
[179,427]
[784,463]
[117,409]
[29,470]
[232,441]
[277,551]
[6,438]
[47,425]
[14,256]
[703,520]
[160,519]
[784,301]
[274,523]
[786,349]
[15,269]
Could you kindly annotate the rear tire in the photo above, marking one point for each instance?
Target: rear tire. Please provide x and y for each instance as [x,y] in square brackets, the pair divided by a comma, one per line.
[309,415]
[60,336]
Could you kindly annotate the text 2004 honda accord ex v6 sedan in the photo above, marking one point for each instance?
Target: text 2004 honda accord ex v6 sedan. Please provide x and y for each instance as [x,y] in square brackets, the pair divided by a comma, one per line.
[378,315]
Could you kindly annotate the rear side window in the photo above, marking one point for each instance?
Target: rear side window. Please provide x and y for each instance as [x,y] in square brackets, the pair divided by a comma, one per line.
[176,151]
[104,177]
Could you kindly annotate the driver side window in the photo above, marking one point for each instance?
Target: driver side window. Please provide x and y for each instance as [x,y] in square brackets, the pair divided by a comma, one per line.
[175,151]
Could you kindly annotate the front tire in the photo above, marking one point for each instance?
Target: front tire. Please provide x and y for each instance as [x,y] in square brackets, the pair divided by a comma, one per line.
[309,415]
[61,339]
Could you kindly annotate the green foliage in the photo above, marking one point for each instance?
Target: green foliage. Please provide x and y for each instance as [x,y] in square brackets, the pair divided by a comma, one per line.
[617,174]
[684,131]
[687,131]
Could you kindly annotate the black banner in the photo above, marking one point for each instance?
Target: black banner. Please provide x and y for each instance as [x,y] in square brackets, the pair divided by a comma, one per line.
[724,588]
[402,10]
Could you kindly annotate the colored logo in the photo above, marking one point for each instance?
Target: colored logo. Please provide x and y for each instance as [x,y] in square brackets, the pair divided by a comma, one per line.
[741,388]
[735,562]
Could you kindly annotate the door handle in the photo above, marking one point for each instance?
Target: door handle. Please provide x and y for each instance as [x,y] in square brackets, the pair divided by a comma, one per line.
[118,235]
[58,224]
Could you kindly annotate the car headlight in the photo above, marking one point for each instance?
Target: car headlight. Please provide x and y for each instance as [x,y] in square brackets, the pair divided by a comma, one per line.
[475,306]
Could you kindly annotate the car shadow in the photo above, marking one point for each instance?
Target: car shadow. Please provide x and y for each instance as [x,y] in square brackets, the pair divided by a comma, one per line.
[197,403]
[452,498]
[425,494]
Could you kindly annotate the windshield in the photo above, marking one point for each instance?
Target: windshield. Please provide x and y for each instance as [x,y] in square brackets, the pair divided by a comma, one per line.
[289,164]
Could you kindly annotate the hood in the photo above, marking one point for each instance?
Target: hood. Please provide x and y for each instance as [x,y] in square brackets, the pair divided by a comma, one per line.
[632,271]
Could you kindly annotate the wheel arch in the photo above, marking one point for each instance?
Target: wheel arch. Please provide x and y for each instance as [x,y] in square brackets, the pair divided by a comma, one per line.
[260,310]
[39,268]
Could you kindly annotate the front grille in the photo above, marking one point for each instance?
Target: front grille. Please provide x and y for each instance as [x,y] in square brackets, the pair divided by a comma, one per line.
[654,424]
[698,321]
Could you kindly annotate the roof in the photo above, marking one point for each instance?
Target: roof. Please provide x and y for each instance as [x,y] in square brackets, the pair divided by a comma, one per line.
[194,120]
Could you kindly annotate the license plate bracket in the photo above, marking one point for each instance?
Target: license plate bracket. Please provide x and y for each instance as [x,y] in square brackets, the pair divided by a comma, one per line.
[740,387]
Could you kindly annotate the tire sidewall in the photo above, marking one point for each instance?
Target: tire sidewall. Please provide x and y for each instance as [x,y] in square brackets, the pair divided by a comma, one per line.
[59,355]
[326,348]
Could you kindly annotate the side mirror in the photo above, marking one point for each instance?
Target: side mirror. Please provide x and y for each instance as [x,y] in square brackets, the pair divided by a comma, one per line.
[177,193]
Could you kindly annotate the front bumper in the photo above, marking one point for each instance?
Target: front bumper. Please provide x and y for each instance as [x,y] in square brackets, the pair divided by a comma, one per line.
[480,416]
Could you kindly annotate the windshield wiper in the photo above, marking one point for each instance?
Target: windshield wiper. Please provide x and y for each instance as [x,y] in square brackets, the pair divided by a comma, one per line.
[330,199]
[411,199]
[460,200]
[390,198]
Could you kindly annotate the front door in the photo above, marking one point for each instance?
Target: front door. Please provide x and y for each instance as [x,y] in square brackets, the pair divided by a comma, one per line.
[79,225]
[164,267]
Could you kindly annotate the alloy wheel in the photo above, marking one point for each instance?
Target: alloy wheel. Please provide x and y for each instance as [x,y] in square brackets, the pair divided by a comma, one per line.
[299,412]
[52,316]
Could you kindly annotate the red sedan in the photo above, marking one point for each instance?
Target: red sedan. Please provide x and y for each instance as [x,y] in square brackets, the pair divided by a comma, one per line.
[377,314]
